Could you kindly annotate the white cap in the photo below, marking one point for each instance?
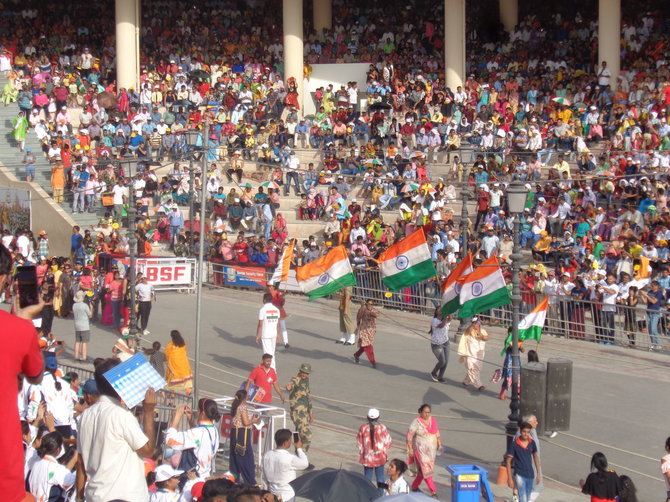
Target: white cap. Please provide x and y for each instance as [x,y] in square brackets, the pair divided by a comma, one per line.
[165,472]
[373,413]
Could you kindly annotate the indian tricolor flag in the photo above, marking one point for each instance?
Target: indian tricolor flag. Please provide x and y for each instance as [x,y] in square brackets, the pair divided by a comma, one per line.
[326,275]
[281,271]
[483,289]
[407,262]
[530,327]
[451,286]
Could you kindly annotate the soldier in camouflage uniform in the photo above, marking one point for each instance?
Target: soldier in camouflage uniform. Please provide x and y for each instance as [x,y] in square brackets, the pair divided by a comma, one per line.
[301,404]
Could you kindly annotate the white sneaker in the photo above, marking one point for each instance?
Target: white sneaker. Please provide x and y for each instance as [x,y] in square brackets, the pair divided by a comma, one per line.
[146,332]
[351,340]
[553,434]
[342,340]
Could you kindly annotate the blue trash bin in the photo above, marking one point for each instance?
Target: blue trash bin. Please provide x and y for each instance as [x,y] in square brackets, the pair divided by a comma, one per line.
[469,483]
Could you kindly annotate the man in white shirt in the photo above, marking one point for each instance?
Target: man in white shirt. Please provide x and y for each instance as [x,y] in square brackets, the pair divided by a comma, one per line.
[604,76]
[609,292]
[280,466]
[23,244]
[145,295]
[267,331]
[292,173]
[120,193]
[112,443]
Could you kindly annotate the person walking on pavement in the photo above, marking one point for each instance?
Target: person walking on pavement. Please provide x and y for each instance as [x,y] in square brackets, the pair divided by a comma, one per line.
[374,442]
[264,377]
[278,300]
[82,328]
[145,295]
[537,487]
[471,348]
[347,327]
[300,403]
[366,329]
[439,343]
[267,331]
[423,441]
[602,483]
[520,458]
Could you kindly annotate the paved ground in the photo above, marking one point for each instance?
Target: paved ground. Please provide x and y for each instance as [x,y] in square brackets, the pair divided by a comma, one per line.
[619,404]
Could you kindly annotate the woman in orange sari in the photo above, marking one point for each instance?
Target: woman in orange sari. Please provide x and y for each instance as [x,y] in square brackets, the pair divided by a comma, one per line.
[178,374]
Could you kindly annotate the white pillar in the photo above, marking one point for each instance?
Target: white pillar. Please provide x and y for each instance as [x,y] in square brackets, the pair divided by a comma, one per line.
[509,13]
[609,37]
[127,70]
[323,15]
[454,43]
[293,46]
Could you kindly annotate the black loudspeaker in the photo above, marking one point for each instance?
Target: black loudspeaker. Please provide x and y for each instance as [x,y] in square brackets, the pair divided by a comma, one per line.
[559,394]
[533,384]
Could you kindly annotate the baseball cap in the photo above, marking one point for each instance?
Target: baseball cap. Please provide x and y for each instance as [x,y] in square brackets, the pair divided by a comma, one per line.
[164,472]
[90,387]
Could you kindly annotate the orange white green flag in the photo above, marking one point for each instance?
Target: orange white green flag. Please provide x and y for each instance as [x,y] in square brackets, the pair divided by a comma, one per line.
[327,274]
[530,327]
[451,286]
[483,289]
[284,265]
[407,262]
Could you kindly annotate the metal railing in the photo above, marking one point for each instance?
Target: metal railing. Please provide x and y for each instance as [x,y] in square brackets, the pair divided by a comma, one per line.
[566,317]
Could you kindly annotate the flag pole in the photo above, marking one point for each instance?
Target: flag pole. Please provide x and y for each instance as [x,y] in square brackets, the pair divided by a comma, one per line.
[515,403]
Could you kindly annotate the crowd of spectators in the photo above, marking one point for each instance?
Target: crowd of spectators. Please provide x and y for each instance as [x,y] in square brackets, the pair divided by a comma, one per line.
[535,107]
[596,225]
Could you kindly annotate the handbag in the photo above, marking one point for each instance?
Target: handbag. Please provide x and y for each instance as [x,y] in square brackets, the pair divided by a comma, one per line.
[241,449]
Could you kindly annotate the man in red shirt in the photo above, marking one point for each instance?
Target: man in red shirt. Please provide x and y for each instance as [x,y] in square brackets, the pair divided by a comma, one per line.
[265,377]
[20,354]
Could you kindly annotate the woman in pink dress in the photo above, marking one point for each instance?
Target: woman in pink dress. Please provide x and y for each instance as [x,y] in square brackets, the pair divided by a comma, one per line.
[423,441]
[279,232]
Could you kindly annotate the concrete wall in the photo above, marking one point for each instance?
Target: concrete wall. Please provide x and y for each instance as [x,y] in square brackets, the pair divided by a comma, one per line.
[46,214]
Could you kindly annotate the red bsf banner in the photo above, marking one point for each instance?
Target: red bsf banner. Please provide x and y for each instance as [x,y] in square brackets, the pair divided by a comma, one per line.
[167,271]
[167,274]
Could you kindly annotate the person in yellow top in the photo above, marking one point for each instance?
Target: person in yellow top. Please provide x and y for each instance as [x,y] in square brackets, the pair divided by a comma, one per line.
[57,182]
[562,166]
[565,114]
[178,374]
[542,246]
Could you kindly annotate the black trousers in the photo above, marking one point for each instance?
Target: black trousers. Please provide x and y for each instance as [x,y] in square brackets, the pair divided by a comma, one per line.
[144,309]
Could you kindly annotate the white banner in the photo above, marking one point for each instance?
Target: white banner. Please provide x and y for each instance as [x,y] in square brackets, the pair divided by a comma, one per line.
[168,271]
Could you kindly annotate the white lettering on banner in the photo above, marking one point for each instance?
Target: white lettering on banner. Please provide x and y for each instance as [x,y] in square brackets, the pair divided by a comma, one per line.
[167,271]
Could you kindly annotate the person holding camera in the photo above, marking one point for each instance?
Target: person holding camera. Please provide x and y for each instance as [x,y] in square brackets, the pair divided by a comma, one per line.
[20,354]
[280,465]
